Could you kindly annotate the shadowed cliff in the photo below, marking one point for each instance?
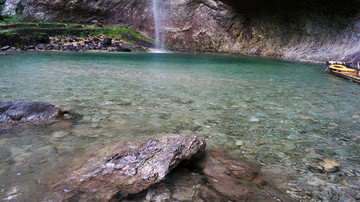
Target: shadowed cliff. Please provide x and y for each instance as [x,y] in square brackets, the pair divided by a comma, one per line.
[309,30]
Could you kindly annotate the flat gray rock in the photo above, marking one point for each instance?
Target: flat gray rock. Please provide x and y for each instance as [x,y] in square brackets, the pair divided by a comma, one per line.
[119,169]
[22,112]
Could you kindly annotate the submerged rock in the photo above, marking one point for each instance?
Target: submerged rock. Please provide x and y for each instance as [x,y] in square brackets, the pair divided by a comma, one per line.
[236,181]
[120,169]
[24,111]
[21,112]
[317,165]
[330,165]
[213,177]
[277,175]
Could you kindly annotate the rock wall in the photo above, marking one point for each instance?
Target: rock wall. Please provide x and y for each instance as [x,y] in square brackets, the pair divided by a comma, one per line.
[309,30]
[11,7]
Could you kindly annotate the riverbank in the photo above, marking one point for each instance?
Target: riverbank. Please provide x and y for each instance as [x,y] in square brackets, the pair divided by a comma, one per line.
[57,36]
[20,36]
[17,35]
[98,43]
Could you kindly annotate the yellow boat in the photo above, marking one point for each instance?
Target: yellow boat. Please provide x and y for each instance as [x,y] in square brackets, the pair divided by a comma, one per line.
[340,68]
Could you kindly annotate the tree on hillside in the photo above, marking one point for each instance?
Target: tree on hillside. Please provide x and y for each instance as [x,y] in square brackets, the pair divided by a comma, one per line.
[1,5]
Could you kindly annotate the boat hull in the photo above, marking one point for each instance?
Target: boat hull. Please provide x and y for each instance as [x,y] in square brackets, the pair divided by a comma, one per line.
[340,68]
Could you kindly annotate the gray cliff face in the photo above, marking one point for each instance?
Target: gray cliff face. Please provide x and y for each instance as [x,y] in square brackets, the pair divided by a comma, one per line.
[309,30]
[10,8]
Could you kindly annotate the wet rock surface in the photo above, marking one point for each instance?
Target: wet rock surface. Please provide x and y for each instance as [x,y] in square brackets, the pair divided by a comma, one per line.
[213,177]
[322,165]
[130,171]
[120,168]
[330,165]
[25,112]
[236,181]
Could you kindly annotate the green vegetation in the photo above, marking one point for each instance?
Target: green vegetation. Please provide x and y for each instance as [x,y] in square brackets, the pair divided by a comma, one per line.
[66,29]
[10,19]
[118,32]
[6,32]
[19,8]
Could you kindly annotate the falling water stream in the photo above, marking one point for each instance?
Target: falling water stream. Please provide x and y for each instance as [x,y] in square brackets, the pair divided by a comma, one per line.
[159,26]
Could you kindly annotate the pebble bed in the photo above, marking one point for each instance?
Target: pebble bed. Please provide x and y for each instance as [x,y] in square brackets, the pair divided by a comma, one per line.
[287,117]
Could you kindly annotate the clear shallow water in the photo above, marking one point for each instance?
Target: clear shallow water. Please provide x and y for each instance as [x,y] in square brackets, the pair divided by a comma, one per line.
[271,112]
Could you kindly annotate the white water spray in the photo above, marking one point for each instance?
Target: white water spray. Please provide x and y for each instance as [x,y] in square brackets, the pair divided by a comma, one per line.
[159,22]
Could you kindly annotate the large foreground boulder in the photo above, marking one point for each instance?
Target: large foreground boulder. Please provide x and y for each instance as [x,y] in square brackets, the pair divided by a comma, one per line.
[22,112]
[119,169]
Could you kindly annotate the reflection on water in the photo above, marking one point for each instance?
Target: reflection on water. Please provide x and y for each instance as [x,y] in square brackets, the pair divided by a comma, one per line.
[271,112]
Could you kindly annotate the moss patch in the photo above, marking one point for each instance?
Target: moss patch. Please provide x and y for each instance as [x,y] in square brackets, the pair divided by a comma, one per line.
[118,32]
[12,24]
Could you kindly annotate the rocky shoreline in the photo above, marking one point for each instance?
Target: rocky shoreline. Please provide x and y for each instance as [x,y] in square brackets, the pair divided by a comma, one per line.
[76,44]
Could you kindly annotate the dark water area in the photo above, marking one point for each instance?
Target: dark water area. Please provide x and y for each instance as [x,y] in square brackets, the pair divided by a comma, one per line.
[271,112]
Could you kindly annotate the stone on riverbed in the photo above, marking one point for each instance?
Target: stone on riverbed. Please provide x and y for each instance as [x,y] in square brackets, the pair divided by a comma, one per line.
[236,181]
[330,165]
[213,177]
[317,165]
[21,112]
[120,168]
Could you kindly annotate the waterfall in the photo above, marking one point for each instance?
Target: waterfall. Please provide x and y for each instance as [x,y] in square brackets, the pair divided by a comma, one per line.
[159,22]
